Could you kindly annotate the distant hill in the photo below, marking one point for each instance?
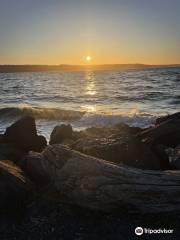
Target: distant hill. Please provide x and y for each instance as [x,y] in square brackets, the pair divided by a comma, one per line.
[44,68]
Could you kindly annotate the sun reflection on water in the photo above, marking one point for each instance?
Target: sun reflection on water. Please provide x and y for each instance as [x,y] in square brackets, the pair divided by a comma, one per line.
[89,108]
[91,84]
[90,91]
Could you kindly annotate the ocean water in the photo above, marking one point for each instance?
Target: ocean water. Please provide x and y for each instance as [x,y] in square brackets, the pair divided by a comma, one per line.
[89,98]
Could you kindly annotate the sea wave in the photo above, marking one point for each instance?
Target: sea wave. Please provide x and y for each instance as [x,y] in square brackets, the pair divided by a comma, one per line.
[79,118]
[40,113]
[48,118]
[142,120]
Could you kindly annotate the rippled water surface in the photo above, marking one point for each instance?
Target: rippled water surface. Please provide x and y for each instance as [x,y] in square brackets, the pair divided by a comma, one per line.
[151,90]
[123,93]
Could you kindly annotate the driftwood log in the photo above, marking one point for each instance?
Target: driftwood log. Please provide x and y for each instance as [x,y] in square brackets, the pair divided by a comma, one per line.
[97,184]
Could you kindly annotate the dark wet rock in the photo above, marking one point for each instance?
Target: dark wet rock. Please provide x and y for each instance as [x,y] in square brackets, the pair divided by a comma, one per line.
[120,149]
[60,133]
[175,116]
[122,127]
[99,132]
[104,132]
[10,152]
[135,130]
[174,157]
[92,133]
[166,133]
[39,144]
[160,151]
[32,165]
[25,126]
[6,151]
[1,138]
[118,144]
[23,135]
[14,188]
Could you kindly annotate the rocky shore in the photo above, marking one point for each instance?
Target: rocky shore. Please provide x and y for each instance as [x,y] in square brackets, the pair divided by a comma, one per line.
[35,194]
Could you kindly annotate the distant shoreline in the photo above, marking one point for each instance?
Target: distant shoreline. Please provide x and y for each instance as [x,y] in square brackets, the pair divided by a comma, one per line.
[63,67]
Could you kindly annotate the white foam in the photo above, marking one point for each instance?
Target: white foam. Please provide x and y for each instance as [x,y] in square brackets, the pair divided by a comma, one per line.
[142,120]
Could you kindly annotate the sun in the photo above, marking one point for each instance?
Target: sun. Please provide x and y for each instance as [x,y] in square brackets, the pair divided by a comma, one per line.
[88,58]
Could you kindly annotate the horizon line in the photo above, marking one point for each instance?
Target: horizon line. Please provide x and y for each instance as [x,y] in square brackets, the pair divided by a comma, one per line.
[88,65]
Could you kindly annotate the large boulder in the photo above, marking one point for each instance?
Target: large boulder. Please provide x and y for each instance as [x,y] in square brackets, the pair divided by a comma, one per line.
[120,128]
[160,151]
[168,117]
[64,133]
[10,152]
[61,133]
[174,157]
[35,168]
[15,188]
[166,133]
[124,128]
[120,149]
[23,135]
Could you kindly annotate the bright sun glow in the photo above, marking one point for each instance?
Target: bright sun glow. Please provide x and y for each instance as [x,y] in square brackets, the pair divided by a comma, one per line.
[88,58]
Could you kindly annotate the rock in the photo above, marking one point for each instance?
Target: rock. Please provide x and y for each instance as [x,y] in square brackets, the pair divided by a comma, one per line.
[168,117]
[10,152]
[166,133]
[24,126]
[23,135]
[174,157]
[1,138]
[122,127]
[39,144]
[93,133]
[33,168]
[160,151]
[104,132]
[60,133]
[15,188]
[98,132]
[120,149]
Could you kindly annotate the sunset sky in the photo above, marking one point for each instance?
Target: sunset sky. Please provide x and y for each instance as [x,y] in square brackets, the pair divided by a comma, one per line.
[108,31]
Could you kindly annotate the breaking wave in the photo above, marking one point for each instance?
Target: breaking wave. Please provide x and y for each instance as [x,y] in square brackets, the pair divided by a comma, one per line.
[39,113]
[48,118]
[142,120]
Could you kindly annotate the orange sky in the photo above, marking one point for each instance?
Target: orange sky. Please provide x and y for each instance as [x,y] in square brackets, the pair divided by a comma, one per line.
[111,32]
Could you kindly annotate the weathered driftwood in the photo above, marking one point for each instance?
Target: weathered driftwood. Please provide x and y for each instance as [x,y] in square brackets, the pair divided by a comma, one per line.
[97,184]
